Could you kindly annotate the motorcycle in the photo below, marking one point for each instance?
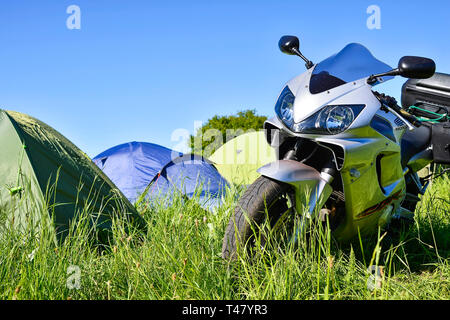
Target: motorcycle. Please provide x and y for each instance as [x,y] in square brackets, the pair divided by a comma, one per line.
[347,155]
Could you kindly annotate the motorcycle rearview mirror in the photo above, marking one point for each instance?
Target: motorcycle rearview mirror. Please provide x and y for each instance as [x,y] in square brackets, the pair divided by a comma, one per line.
[409,67]
[416,67]
[291,45]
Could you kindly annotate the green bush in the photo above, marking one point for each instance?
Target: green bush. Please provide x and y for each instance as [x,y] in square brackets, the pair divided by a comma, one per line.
[220,129]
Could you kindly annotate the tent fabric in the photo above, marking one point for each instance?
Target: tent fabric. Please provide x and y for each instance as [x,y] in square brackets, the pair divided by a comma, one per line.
[238,159]
[132,166]
[138,167]
[40,166]
[192,176]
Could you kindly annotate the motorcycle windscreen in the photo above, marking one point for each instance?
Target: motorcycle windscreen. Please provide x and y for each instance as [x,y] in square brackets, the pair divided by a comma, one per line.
[352,63]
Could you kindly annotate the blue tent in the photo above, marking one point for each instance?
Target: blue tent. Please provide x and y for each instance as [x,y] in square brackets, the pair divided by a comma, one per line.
[136,167]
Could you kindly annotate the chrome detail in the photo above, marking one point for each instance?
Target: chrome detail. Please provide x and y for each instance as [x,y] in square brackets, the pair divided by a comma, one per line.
[327,177]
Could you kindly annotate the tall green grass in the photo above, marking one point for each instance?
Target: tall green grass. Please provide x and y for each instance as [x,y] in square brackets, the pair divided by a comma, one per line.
[179,257]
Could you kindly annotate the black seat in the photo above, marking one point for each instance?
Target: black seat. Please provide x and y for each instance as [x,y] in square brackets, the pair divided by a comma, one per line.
[414,142]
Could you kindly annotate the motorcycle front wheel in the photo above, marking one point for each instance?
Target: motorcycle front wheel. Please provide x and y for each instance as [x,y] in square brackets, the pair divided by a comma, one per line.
[266,203]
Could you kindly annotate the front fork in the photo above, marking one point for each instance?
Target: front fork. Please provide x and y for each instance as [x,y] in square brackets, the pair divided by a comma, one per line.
[312,188]
[316,200]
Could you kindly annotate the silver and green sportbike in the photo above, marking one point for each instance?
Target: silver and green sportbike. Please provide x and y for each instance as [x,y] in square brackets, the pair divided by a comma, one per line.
[347,155]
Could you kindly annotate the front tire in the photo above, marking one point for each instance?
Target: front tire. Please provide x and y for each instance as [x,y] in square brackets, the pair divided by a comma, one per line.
[265,198]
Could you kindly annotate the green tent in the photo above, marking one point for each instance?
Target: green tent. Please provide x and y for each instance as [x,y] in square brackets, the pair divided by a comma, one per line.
[238,159]
[42,174]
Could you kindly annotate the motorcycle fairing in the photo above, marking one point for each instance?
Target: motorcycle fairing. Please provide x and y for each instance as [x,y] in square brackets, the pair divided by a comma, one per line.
[371,173]
[351,66]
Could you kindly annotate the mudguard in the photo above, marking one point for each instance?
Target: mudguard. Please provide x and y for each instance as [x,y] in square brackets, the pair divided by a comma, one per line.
[311,189]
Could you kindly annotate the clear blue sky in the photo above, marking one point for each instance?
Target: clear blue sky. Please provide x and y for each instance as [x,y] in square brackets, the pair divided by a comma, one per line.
[138,70]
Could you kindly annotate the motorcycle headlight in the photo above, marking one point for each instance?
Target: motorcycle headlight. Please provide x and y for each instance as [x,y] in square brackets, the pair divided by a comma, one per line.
[331,119]
[284,107]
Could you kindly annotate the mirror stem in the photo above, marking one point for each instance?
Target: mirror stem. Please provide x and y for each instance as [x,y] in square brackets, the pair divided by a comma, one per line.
[308,64]
[373,78]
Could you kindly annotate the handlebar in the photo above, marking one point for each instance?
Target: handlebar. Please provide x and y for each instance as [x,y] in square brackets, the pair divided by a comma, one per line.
[386,100]
[409,117]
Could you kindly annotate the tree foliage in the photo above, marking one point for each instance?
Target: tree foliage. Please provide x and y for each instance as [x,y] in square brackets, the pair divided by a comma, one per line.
[220,129]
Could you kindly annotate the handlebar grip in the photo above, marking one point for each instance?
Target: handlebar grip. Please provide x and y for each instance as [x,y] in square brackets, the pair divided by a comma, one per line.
[408,116]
